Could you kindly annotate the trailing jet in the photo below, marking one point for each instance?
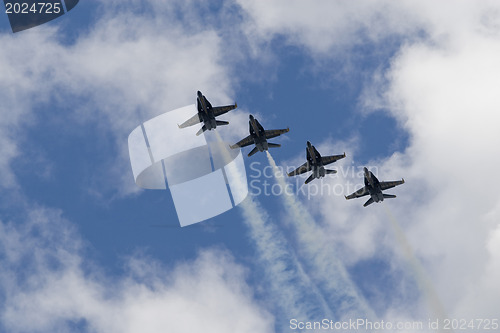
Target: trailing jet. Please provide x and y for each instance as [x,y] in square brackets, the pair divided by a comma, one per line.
[374,188]
[315,163]
[259,136]
[206,114]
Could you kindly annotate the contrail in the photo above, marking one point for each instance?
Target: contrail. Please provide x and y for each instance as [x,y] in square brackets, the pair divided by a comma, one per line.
[292,290]
[326,268]
[423,281]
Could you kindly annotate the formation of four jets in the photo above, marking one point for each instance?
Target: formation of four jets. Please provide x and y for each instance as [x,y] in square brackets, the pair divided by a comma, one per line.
[314,161]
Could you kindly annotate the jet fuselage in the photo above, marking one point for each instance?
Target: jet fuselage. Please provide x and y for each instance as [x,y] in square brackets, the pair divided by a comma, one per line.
[206,112]
[258,134]
[373,186]
[315,163]
[258,137]
[317,167]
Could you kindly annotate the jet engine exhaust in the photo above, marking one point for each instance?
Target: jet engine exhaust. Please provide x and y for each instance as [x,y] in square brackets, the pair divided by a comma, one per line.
[291,286]
[423,281]
[326,269]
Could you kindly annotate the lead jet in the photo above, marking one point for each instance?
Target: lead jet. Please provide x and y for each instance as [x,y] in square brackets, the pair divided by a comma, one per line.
[374,188]
[316,163]
[206,114]
[258,136]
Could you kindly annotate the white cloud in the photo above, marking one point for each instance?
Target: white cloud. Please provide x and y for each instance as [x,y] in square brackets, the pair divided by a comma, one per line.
[325,26]
[441,86]
[47,285]
[447,101]
[126,69]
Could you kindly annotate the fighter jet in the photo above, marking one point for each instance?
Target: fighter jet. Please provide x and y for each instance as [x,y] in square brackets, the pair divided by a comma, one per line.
[374,188]
[259,136]
[206,114]
[315,163]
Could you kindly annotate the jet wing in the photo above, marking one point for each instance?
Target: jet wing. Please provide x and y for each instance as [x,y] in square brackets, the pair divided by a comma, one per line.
[274,133]
[309,179]
[243,143]
[300,170]
[196,119]
[330,159]
[369,202]
[359,193]
[218,110]
[387,185]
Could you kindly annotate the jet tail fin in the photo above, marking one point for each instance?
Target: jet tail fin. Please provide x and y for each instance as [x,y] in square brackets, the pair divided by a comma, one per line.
[254,150]
[203,129]
[308,180]
[387,196]
[273,145]
[221,122]
[369,202]
[330,171]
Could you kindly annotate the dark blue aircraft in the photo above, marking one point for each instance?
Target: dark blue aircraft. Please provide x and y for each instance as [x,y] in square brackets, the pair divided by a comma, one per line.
[374,188]
[315,163]
[258,136]
[206,114]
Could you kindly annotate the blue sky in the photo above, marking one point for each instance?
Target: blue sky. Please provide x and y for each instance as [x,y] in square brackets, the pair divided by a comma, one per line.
[398,87]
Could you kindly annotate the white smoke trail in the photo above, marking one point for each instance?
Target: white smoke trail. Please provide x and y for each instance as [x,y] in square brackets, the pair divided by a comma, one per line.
[291,288]
[423,281]
[326,268]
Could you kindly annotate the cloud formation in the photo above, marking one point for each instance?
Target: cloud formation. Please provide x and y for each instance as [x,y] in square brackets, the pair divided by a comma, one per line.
[124,70]
[46,284]
[440,86]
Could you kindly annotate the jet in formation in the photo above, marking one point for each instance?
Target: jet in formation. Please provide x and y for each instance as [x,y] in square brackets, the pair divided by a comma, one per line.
[315,163]
[258,136]
[206,114]
[374,188]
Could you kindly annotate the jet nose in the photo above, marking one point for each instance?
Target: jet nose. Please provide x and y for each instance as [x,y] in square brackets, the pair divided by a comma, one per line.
[367,173]
[199,93]
[308,143]
[250,117]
